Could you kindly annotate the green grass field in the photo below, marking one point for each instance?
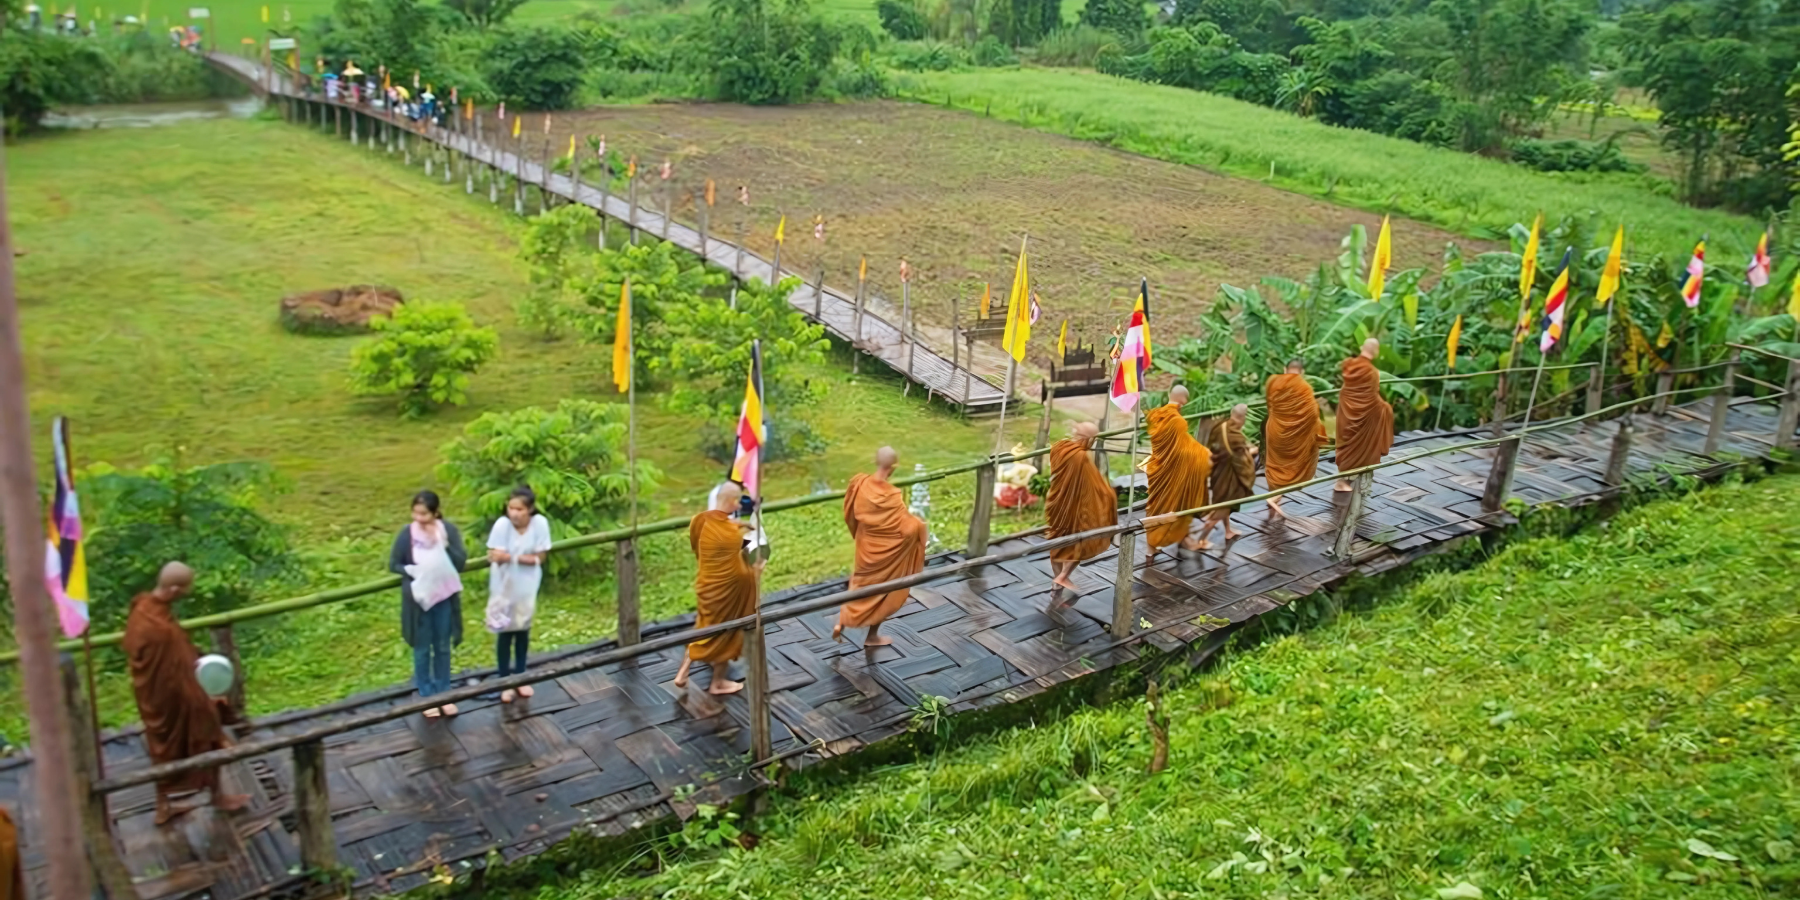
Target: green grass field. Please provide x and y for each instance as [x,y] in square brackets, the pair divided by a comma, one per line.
[1608,715]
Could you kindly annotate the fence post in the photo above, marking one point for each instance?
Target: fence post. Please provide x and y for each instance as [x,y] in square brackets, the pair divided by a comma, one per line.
[1500,477]
[1346,534]
[1121,612]
[1499,423]
[756,660]
[1665,382]
[1595,389]
[224,643]
[625,569]
[984,510]
[1621,453]
[312,808]
[103,851]
[1715,430]
[1789,418]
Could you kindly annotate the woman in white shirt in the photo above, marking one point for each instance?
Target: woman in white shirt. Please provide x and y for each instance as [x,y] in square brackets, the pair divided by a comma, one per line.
[517,545]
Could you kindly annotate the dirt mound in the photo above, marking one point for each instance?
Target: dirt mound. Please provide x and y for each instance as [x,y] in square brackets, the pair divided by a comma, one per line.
[338,310]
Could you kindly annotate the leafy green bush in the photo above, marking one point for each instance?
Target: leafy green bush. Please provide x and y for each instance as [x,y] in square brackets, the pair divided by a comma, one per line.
[990,53]
[902,19]
[424,353]
[859,80]
[928,56]
[1572,156]
[763,51]
[538,67]
[38,71]
[1121,17]
[1075,46]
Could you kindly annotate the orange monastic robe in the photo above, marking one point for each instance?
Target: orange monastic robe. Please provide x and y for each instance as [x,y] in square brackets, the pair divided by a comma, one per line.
[1234,469]
[1293,433]
[724,584]
[1365,423]
[12,872]
[1178,469]
[1079,500]
[890,544]
[180,720]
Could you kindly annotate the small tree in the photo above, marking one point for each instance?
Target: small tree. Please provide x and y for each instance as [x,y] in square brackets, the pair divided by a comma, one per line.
[424,353]
[554,249]
[538,68]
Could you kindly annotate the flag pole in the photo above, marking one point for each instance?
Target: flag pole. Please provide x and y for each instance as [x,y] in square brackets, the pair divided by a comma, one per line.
[1137,411]
[1535,379]
[1005,395]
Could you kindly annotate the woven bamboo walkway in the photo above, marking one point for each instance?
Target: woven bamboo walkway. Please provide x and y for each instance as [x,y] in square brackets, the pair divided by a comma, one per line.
[608,749]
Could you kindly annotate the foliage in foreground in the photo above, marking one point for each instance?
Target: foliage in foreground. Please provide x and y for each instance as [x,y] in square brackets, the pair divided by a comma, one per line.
[424,355]
[1605,715]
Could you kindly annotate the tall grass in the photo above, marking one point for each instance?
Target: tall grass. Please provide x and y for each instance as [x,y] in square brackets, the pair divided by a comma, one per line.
[1475,196]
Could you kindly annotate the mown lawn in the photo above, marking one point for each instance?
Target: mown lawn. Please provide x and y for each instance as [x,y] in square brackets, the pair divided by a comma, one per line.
[1607,715]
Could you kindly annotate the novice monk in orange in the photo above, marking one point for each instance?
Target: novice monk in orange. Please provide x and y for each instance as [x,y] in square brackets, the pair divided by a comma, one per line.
[1233,473]
[1293,433]
[1079,500]
[725,586]
[890,544]
[1178,468]
[1365,422]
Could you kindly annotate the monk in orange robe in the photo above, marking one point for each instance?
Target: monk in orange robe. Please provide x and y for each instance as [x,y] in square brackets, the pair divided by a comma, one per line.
[890,544]
[1079,500]
[180,720]
[1293,433]
[1178,468]
[1233,471]
[1365,422]
[725,585]
[12,871]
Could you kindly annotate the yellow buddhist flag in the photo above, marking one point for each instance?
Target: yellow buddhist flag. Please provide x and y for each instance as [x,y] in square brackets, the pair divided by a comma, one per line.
[1062,341]
[1615,269]
[987,299]
[781,230]
[1018,311]
[516,121]
[862,271]
[469,109]
[631,167]
[1794,304]
[1528,265]
[622,340]
[710,194]
[1384,260]
[265,14]
[1455,335]
[571,148]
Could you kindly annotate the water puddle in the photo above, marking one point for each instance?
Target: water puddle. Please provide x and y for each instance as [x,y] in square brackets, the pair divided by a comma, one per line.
[151,115]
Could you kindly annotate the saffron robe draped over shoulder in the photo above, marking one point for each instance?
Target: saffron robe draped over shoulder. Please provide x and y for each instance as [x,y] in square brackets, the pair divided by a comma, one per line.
[724,584]
[1079,500]
[12,871]
[890,544]
[1177,471]
[180,720]
[1365,423]
[1234,469]
[1293,433]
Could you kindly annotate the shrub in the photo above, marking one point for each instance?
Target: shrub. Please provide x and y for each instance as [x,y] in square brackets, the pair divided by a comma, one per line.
[1573,156]
[539,67]
[902,19]
[928,56]
[38,71]
[990,53]
[860,80]
[763,51]
[1122,17]
[1077,46]
[424,353]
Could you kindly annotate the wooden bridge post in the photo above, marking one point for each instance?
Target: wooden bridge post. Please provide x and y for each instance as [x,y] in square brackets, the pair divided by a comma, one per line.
[1500,477]
[1127,568]
[1715,430]
[756,662]
[449,158]
[312,808]
[1665,382]
[703,214]
[631,201]
[984,510]
[1621,453]
[353,131]
[1595,389]
[1346,533]
[224,643]
[819,296]
[1789,417]
[337,120]
[96,826]
[1499,418]
[625,570]
[1047,391]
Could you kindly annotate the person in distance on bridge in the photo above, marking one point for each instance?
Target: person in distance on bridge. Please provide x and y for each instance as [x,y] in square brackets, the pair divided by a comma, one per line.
[1177,471]
[1365,422]
[1079,500]
[725,586]
[1293,432]
[890,544]
[180,720]
[1233,472]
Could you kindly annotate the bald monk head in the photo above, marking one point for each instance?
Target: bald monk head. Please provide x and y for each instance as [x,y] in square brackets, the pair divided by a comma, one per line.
[1295,367]
[1371,347]
[174,582]
[726,496]
[1178,395]
[885,461]
[1084,431]
[1239,413]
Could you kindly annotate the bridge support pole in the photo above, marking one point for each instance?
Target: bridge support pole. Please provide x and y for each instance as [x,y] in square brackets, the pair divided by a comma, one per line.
[1789,418]
[1595,389]
[1127,569]
[756,663]
[1500,477]
[1346,533]
[224,643]
[984,510]
[1715,430]
[1621,453]
[1665,383]
[625,571]
[96,825]
[312,808]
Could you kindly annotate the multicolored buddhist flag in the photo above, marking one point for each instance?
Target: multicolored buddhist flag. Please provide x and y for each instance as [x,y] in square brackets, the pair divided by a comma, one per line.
[1384,260]
[65,560]
[1455,336]
[1018,311]
[1037,311]
[1614,273]
[746,469]
[1134,354]
[1528,263]
[1696,276]
[1554,302]
[622,340]
[1758,276]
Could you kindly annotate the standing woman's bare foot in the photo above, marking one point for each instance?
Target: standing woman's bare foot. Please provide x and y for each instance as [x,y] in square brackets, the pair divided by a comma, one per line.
[526,692]
[450,709]
[433,713]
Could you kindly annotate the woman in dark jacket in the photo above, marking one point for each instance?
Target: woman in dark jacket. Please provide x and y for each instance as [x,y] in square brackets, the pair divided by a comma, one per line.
[430,621]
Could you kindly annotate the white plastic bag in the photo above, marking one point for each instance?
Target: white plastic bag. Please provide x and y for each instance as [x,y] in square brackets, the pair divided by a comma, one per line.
[434,576]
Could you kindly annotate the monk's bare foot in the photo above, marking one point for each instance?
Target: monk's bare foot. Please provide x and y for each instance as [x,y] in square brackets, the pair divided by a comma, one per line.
[721,687]
[837,633]
[1275,512]
[880,640]
[1060,581]
[450,709]
[1233,535]
[1343,484]
[682,675]
[168,812]
[433,713]
[526,692]
[231,802]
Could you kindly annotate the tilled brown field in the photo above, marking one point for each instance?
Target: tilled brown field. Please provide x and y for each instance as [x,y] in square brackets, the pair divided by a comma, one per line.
[953,193]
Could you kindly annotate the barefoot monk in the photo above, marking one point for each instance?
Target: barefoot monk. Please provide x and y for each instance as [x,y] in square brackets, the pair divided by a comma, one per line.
[890,544]
[1293,433]
[1365,422]
[1079,500]
[725,586]
[1233,471]
[1178,468]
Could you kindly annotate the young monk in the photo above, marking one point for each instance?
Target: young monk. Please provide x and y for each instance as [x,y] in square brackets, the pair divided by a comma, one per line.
[725,586]
[1365,422]
[180,720]
[890,544]
[1293,433]
[1079,500]
[1233,471]
[1178,468]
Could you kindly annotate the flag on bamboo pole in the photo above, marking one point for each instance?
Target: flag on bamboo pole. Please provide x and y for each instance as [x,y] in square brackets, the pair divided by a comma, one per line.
[622,340]
[516,121]
[710,195]
[1036,310]
[1553,306]
[747,464]
[265,14]
[862,271]
[1384,260]
[1134,354]
[987,299]
[469,109]
[1696,276]
[1455,335]
[1614,273]
[1018,311]
[1794,302]
[1062,342]
[1528,264]
[65,560]
[781,231]
[1758,276]
[502,113]
[571,149]
[631,167]
[546,123]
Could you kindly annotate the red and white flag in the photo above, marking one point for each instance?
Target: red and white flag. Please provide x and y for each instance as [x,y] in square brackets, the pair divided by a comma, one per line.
[1696,276]
[1134,354]
[746,467]
[1758,276]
